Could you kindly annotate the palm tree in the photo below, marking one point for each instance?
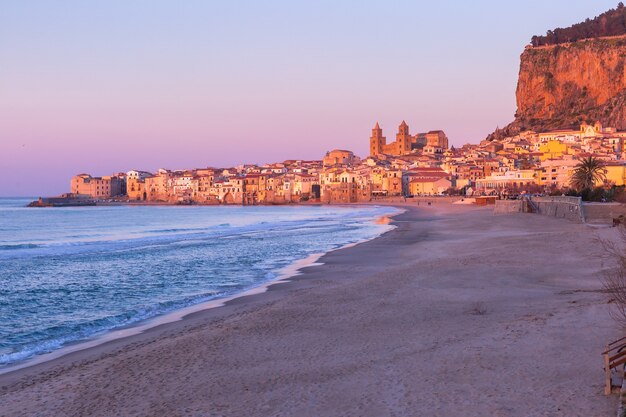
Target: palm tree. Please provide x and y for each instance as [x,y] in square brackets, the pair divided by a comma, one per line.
[587,173]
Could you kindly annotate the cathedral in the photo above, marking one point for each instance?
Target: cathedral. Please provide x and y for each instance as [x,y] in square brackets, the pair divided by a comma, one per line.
[405,143]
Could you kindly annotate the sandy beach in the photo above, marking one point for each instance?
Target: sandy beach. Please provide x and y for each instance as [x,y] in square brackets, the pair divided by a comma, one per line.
[455,312]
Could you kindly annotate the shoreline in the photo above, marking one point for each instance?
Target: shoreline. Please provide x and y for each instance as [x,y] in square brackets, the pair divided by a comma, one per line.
[282,275]
[141,203]
[383,328]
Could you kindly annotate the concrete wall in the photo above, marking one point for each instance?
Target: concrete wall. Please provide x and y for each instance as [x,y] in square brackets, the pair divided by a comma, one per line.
[603,212]
[571,208]
[562,207]
[509,206]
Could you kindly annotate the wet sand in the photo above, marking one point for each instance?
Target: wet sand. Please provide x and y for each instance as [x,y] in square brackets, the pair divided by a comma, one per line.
[455,312]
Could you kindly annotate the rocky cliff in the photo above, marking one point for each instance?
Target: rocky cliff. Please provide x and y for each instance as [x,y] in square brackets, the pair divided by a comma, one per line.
[562,85]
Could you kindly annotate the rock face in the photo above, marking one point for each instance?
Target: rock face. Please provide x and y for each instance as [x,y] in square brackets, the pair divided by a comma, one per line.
[561,86]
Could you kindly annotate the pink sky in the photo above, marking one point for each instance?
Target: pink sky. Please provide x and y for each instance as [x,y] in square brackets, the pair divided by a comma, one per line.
[102,87]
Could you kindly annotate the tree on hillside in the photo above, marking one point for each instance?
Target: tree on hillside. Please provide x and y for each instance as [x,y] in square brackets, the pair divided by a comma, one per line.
[610,23]
[587,173]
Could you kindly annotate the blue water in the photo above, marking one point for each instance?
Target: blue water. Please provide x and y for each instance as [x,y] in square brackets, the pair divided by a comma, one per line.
[68,274]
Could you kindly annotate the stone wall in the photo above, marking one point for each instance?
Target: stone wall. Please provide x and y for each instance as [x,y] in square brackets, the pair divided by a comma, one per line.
[603,212]
[509,206]
[562,207]
[571,208]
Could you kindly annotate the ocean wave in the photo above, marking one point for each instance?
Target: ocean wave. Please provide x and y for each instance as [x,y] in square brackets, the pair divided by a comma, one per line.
[121,279]
[184,236]
[173,230]
[19,246]
[56,337]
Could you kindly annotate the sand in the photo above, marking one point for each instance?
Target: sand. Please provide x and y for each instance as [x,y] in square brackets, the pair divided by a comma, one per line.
[455,312]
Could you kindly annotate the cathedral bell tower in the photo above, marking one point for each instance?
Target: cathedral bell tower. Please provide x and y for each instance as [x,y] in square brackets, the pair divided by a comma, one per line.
[403,139]
[377,141]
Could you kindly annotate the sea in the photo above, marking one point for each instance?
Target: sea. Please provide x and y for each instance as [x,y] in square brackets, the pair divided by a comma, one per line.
[72,274]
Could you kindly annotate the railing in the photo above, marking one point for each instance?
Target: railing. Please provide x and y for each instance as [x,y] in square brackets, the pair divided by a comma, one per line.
[614,356]
[531,207]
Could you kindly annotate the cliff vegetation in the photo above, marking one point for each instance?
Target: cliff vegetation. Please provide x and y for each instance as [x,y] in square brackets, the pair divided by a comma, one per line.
[610,23]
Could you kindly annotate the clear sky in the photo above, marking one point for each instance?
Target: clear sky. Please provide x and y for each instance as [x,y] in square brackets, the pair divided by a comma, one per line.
[112,85]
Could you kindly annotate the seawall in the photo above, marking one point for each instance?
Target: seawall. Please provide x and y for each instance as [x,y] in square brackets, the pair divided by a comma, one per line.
[603,212]
[571,208]
[561,207]
[510,206]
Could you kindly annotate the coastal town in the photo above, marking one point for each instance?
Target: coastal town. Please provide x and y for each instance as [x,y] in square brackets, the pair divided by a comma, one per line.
[421,164]
[429,266]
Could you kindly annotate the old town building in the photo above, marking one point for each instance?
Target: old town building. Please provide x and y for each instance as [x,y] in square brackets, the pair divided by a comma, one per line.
[421,164]
[405,143]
